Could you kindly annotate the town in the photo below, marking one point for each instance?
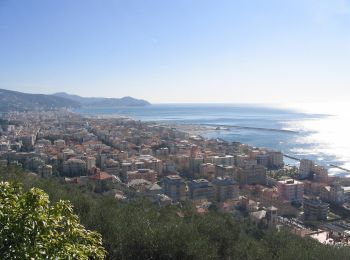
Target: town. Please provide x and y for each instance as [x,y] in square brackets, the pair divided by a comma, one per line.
[128,159]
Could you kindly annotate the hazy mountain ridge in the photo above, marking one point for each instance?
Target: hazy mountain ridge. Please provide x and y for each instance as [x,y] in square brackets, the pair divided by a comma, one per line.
[19,101]
[104,102]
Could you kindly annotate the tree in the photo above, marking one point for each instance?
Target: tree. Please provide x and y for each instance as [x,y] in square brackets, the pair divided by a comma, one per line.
[138,229]
[31,228]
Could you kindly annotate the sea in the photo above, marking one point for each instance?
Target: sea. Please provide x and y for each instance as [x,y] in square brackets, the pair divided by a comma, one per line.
[301,133]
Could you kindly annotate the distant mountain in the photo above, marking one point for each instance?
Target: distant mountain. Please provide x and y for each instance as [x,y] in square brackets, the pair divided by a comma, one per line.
[105,102]
[18,101]
[79,99]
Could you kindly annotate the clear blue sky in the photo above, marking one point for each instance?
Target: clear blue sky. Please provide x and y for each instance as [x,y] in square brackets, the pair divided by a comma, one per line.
[214,51]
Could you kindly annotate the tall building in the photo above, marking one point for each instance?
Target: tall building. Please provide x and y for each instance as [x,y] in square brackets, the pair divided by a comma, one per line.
[45,170]
[226,171]
[255,174]
[333,193]
[152,163]
[28,141]
[207,171]
[195,164]
[276,159]
[263,159]
[306,167]
[175,187]
[90,163]
[320,173]
[201,189]
[244,161]
[291,190]
[74,167]
[225,188]
[315,209]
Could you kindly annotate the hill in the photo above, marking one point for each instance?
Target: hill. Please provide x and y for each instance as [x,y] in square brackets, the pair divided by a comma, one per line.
[18,101]
[104,102]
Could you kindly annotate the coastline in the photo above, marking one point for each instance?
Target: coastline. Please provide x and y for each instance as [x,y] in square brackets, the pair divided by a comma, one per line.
[195,121]
[203,129]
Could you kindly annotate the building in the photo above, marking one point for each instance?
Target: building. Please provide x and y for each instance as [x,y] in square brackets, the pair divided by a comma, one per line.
[45,170]
[224,189]
[67,154]
[74,167]
[291,190]
[320,173]
[225,171]
[271,216]
[201,189]
[263,159]
[112,166]
[175,187]
[153,190]
[244,161]
[169,167]
[59,143]
[90,163]
[333,194]
[152,163]
[225,160]
[139,185]
[312,187]
[207,171]
[254,174]
[306,168]
[276,160]
[4,146]
[195,164]
[270,196]
[101,181]
[28,141]
[126,167]
[146,174]
[3,163]
[315,209]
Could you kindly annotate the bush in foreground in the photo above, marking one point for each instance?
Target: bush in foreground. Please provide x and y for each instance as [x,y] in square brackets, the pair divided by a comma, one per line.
[31,228]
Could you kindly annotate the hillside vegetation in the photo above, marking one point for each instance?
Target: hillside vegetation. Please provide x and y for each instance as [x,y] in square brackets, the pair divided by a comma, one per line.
[140,230]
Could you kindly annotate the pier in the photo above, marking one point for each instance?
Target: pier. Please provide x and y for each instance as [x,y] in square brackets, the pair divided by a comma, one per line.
[252,128]
[341,168]
[291,157]
[329,165]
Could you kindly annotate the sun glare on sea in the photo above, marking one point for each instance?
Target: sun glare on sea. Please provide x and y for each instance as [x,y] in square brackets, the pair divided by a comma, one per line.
[330,132]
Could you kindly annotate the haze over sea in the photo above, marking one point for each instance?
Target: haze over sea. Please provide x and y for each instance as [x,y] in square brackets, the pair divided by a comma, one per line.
[316,136]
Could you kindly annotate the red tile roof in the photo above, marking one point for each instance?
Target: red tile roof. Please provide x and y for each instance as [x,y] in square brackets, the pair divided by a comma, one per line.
[101,176]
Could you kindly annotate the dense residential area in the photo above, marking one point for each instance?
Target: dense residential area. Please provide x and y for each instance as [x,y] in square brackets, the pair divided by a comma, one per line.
[126,160]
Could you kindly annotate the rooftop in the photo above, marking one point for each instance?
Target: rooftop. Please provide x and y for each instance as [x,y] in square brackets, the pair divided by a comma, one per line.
[101,176]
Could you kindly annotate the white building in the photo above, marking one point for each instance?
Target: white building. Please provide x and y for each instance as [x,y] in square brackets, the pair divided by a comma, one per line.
[291,190]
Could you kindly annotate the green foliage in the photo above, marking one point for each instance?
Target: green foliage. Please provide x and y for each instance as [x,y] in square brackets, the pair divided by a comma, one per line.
[30,228]
[292,172]
[140,230]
